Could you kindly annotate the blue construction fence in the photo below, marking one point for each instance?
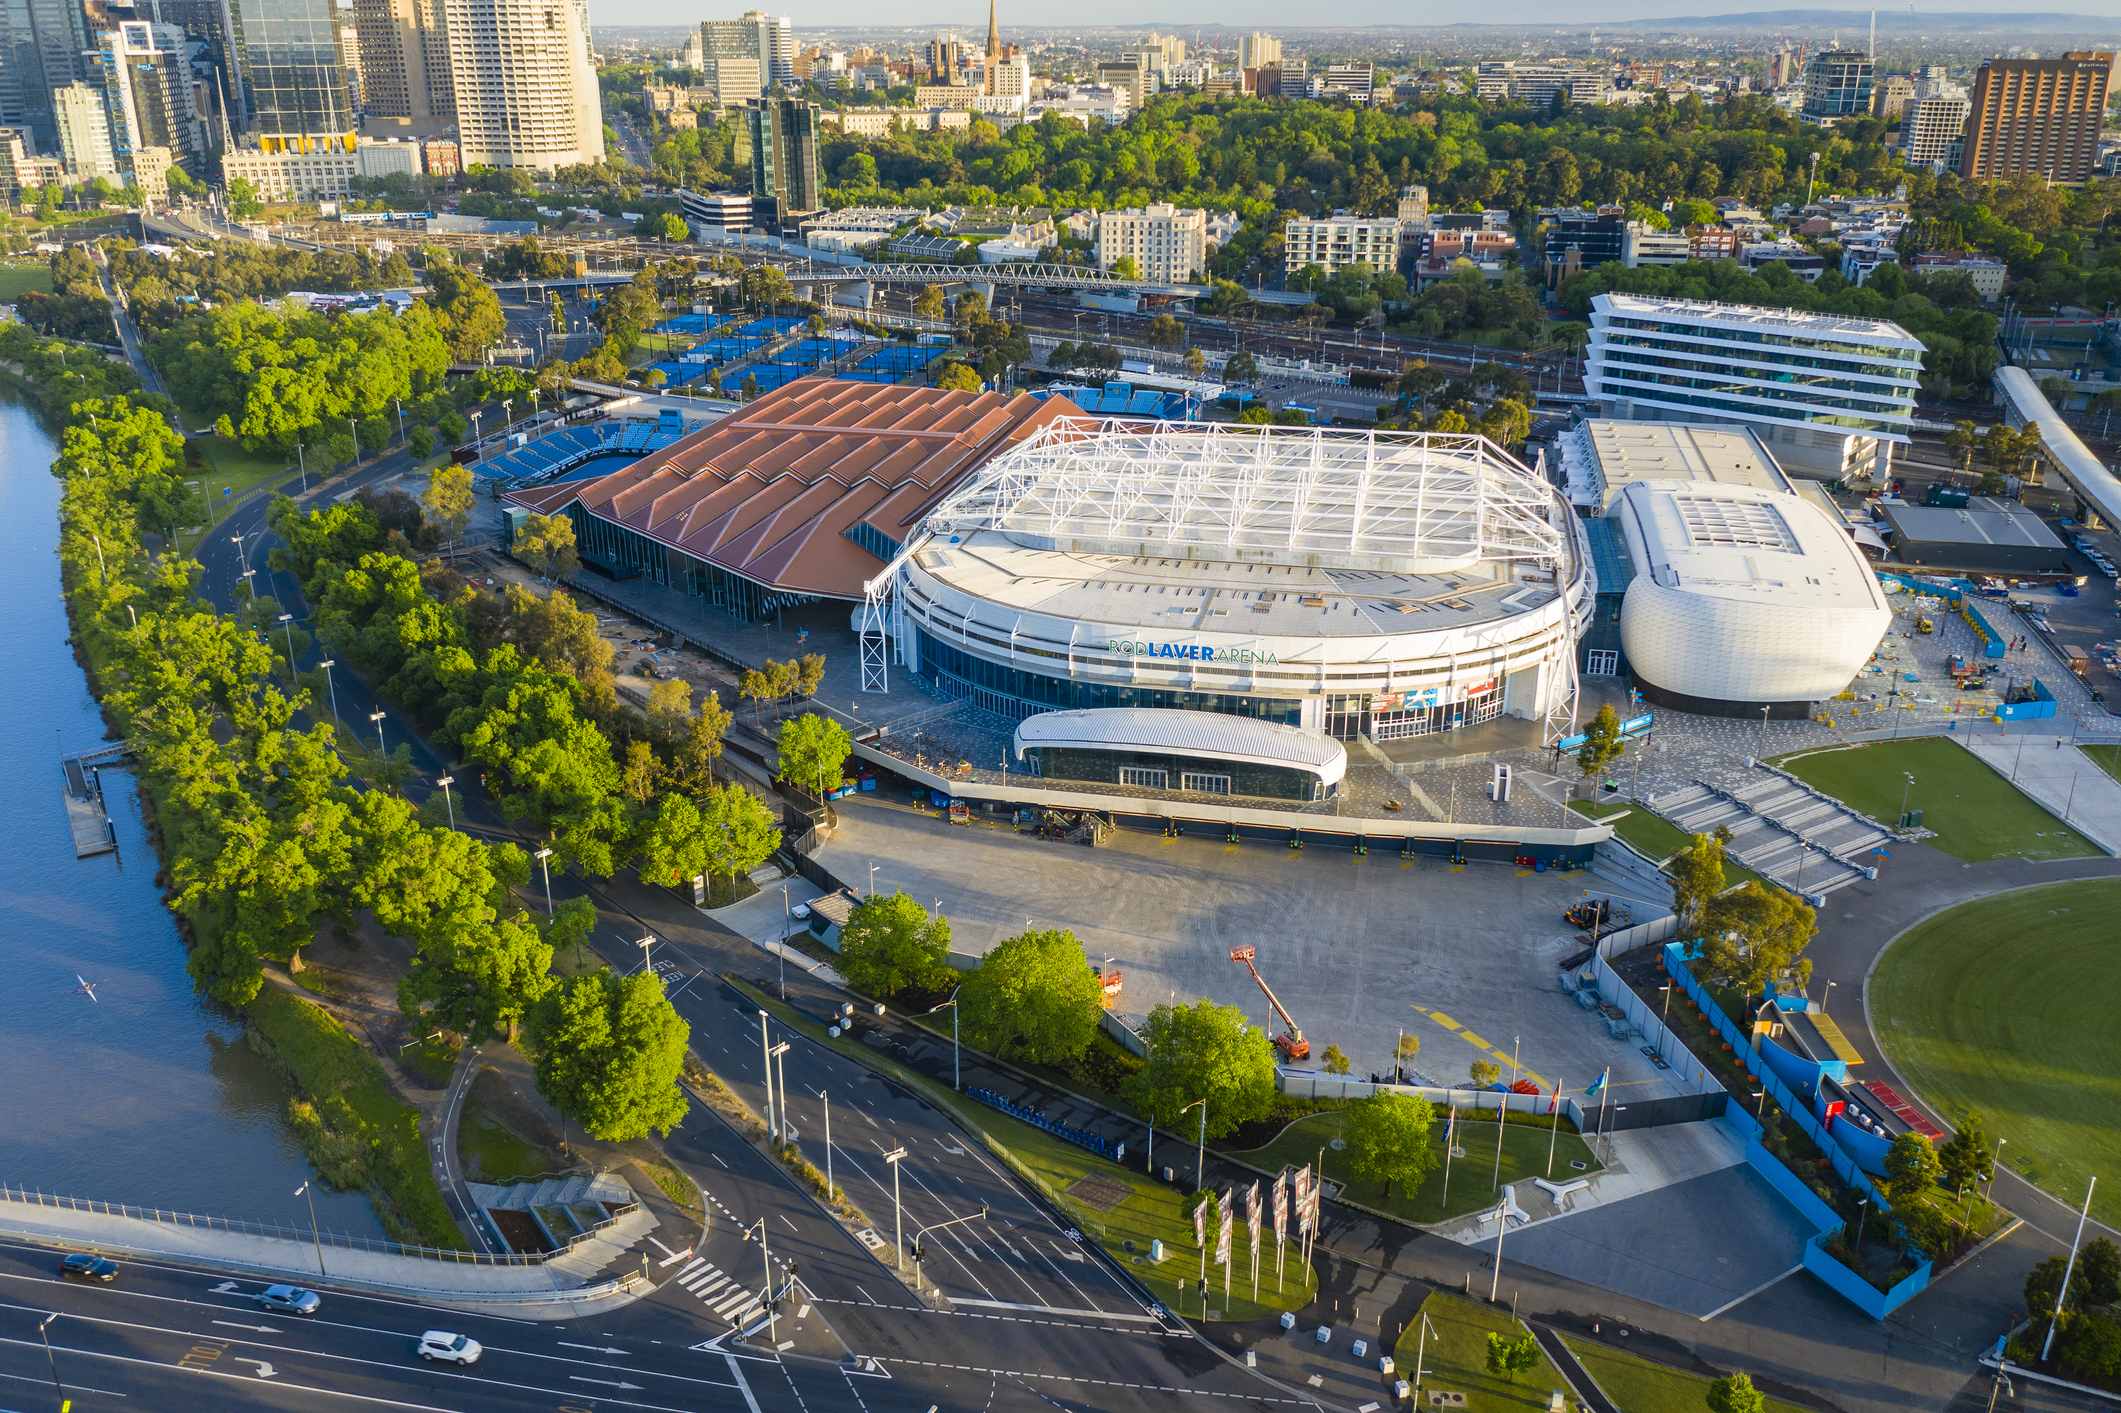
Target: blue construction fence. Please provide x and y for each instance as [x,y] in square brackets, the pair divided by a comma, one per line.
[1082,1138]
[1816,1259]
[1961,593]
[2039,706]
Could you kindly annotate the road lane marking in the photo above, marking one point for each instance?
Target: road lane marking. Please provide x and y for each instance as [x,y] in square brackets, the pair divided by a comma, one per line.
[1056,1310]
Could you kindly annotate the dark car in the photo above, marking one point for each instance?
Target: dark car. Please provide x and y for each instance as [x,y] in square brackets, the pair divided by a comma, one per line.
[289,1300]
[86,1266]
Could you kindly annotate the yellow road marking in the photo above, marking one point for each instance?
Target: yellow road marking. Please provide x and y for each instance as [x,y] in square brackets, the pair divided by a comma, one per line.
[1458,868]
[1409,863]
[1229,848]
[1441,1019]
[1470,1036]
[1501,1056]
[1526,872]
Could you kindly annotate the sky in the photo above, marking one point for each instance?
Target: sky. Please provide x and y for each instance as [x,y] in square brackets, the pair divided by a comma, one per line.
[1247,14]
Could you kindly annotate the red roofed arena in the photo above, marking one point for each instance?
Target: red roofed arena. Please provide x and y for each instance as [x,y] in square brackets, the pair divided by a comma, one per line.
[797,498]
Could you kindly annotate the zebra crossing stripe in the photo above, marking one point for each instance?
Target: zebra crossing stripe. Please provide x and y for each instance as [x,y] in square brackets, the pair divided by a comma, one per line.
[699,1278]
[742,1298]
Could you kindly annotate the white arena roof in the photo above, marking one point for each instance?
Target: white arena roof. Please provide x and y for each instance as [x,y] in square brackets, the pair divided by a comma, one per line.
[1742,596]
[1193,733]
[1410,503]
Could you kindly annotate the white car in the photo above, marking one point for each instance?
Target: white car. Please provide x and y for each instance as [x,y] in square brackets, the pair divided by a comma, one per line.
[456,1348]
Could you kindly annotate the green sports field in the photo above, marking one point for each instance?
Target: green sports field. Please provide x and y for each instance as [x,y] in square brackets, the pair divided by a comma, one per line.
[2004,1009]
[1976,813]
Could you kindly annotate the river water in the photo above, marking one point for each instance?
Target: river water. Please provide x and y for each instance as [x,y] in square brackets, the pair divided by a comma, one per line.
[148,1095]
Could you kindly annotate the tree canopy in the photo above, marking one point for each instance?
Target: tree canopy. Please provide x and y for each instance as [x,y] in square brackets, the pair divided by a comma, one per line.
[609,1050]
[890,944]
[1033,997]
[1209,1051]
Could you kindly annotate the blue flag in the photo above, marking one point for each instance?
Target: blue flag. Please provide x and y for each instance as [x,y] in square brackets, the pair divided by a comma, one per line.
[1597,1084]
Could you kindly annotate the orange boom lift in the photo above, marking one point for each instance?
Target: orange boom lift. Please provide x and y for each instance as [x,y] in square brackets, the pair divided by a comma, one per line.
[1290,1042]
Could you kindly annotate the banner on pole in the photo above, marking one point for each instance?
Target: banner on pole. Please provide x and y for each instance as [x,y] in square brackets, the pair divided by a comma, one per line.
[1200,1222]
[1303,1200]
[1281,1205]
[1252,1215]
[1222,1240]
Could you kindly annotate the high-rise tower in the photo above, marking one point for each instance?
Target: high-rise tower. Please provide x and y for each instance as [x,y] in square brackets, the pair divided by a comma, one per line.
[525,82]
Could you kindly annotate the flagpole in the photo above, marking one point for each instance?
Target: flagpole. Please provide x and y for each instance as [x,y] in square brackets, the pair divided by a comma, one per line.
[1502,1114]
[1554,1134]
[1450,1132]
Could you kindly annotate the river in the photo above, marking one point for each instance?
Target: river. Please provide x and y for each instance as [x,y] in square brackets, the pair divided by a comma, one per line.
[147,1095]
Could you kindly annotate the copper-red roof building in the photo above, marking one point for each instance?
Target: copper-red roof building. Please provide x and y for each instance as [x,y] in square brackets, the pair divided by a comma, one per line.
[804,494]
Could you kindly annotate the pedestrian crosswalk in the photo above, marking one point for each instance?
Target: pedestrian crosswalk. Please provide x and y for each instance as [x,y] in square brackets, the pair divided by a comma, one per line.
[727,1299]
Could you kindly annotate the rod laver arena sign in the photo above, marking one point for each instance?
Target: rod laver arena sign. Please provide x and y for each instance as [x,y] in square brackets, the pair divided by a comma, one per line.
[1197,652]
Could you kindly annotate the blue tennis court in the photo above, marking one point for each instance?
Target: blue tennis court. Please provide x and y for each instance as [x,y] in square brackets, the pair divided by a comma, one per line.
[771,327]
[809,353]
[897,359]
[673,373]
[768,375]
[683,324]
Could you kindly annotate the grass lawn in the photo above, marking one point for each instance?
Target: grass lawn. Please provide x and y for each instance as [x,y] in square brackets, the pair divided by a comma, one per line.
[1976,813]
[1455,1357]
[1524,1154]
[353,1124]
[18,280]
[1149,1211]
[1655,836]
[2004,1009]
[496,1152]
[1640,1386]
[2107,758]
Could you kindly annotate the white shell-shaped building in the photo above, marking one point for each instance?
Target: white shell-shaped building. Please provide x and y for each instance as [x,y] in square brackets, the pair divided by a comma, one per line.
[1743,598]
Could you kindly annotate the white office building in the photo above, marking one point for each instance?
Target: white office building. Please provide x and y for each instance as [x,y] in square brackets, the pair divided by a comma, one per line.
[1331,243]
[84,132]
[1256,51]
[1933,125]
[1830,394]
[754,35]
[526,83]
[1168,244]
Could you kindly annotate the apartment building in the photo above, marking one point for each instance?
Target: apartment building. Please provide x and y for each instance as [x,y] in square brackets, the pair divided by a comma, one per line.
[754,35]
[84,133]
[526,86]
[1837,84]
[1168,244]
[1256,51]
[1933,126]
[1335,242]
[1986,271]
[2038,117]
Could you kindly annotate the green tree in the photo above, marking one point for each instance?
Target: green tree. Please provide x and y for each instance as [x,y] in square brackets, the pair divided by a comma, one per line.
[739,831]
[571,925]
[1696,873]
[1207,1051]
[546,544]
[477,977]
[1754,934]
[1601,742]
[2099,1272]
[1336,1061]
[1507,1358]
[608,1051]
[671,227]
[1967,1157]
[449,501]
[1388,1139]
[1034,997]
[674,843]
[957,377]
[243,200]
[422,442]
[813,752]
[2044,1283]
[1735,1394]
[2092,1348]
[1240,367]
[1911,1169]
[1483,1073]
[890,944]
[466,309]
[930,303]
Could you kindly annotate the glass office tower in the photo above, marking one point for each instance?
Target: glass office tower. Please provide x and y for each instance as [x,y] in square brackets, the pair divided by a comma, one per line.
[294,80]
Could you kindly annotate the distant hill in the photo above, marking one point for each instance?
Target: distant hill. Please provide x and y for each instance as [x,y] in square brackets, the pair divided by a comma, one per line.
[1929,21]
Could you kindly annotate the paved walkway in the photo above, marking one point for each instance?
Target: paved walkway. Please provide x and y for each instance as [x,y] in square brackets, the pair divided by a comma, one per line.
[2062,778]
[537,1291]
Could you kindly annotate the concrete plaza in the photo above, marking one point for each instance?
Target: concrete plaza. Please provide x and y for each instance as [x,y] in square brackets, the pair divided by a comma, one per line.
[1358,949]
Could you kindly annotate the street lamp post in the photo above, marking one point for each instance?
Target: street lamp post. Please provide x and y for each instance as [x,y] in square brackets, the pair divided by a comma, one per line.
[919,1251]
[302,462]
[645,944]
[956,1077]
[49,1358]
[898,1217]
[766,1261]
[287,621]
[377,718]
[1200,1147]
[1827,997]
[541,856]
[766,1050]
[445,782]
[328,664]
[1905,791]
[1995,1161]
[403,439]
[354,431]
[1502,1224]
[304,1192]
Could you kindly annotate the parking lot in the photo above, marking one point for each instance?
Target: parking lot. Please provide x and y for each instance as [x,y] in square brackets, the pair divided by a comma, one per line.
[1356,948]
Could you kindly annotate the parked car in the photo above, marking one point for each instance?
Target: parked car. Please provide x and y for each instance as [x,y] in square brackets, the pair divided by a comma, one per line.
[290,1300]
[87,1266]
[453,1348]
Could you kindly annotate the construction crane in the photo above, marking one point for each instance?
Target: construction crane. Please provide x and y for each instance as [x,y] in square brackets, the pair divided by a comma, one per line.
[1290,1042]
